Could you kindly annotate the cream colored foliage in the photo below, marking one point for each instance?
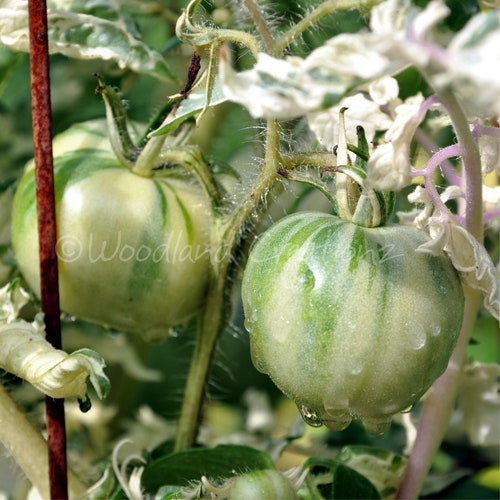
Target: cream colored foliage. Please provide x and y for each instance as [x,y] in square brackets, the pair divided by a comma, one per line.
[25,352]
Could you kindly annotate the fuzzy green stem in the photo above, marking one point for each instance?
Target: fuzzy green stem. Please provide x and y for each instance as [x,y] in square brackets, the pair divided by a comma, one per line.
[438,406]
[28,448]
[148,159]
[313,17]
[261,25]
[214,315]
[200,36]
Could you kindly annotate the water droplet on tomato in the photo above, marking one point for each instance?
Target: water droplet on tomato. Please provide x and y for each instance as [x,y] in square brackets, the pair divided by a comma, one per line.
[248,325]
[416,335]
[337,419]
[351,325]
[306,278]
[377,426]
[408,410]
[310,417]
[435,330]
[357,366]
[256,359]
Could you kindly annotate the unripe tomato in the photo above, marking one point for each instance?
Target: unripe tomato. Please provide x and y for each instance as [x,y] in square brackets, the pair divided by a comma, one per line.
[261,484]
[133,251]
[350,321]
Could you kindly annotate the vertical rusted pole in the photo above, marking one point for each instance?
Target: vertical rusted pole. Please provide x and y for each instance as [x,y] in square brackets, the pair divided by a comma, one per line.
[42,137]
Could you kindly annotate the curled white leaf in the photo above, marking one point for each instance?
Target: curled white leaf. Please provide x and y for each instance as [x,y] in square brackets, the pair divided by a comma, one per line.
[384,90]
[360,111]
[84,36]
[12,299]
[25,353]
[389,167]
[469,258]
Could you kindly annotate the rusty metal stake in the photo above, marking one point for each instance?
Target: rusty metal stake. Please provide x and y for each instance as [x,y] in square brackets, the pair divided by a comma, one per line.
[47,233]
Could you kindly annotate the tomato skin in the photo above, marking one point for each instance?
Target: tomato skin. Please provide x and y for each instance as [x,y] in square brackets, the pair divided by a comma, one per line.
[261,484]
[133,251]
[349,321]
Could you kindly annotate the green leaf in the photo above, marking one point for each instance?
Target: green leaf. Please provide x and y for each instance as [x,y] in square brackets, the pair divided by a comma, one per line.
[223,461]
[349,484]
[189,107]
[383,468]
[344,483]
[105,34]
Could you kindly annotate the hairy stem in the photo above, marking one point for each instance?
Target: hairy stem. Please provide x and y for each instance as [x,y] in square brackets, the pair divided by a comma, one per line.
[261,24]
[314,16]
[28,448]
[438,406]
[227,235]
[47,232]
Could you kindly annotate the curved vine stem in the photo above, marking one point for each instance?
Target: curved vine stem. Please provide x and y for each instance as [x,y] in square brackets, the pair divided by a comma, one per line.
[438,405]
[28,448]
[226,236]
[315,15]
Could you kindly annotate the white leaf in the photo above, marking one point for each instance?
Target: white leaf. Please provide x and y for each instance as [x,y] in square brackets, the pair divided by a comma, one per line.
[83,36]
[12,299]
[478,403]
[473,67]
[469,258]
[389,167]
[25,353]
[360,111]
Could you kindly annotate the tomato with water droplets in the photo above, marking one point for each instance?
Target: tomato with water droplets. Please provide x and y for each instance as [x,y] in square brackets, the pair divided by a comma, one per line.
[350,321]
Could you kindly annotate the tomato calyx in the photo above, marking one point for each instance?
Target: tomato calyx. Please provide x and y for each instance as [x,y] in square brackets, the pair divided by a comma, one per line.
[356,201]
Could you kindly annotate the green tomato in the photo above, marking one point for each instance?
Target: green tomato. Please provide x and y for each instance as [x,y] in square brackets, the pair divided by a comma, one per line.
[132,251]
[350,321]
[261,484]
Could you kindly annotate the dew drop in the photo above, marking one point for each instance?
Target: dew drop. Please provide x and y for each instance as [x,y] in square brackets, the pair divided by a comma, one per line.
[376,426]
[408,410]
[310,417]
[351,325]
[435,330]
[306,278]
[248,325]
[338,420]
[415,334]
[256,359]
[357,366]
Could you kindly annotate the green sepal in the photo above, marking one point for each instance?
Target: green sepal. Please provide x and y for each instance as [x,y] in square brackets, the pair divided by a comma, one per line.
[191,160]
[306,179]
[359,203]
[116,116]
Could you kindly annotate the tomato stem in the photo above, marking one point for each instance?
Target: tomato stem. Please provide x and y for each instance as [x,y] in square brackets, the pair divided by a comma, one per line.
[42,135]
[314,16]
[28,447]
[226,236]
